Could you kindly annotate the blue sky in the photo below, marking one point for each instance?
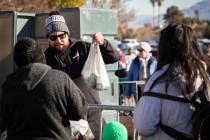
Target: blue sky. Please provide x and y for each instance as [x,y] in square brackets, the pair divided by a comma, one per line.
[144,7]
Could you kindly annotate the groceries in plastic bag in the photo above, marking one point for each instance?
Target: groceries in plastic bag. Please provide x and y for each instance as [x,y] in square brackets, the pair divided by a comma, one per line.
[94,70]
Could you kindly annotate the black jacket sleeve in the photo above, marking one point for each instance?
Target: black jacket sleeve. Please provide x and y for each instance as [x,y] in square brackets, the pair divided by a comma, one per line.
[109,53]
[76,103]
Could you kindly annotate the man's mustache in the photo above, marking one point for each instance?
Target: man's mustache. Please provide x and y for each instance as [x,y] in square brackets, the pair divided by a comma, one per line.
[58,44]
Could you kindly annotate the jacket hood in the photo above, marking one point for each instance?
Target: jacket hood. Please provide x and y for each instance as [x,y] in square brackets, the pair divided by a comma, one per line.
[27,77]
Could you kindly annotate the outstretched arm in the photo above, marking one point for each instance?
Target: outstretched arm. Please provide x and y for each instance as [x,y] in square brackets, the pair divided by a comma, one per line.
[109,53]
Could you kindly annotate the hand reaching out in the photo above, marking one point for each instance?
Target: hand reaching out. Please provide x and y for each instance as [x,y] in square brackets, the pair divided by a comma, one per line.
[99,38]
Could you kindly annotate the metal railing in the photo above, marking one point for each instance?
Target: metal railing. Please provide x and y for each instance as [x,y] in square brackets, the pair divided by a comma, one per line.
[120,107]
[140,83]
[137,83]
[112,107]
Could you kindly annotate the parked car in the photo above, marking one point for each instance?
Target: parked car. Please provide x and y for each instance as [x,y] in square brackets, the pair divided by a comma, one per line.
[203,44]
[128,43]
[154,46]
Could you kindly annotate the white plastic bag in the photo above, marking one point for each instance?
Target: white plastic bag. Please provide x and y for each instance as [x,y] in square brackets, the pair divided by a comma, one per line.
[94,70]
[81,127]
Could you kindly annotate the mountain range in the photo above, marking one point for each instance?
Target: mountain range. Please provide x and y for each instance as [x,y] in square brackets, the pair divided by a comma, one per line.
[203,10]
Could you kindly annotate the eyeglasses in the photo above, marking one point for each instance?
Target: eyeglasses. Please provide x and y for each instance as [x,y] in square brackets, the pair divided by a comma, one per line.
[141,50]
[55,37]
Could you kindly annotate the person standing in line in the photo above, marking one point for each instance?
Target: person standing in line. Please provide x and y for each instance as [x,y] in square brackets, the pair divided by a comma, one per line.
[122,61]
[69,55]
[141,68]
[208,52]
[129,58]
[37,101]
[181,72]
[121,72]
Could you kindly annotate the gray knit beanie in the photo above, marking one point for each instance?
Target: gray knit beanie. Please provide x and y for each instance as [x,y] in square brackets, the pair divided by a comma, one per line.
[27,51]
[56,23]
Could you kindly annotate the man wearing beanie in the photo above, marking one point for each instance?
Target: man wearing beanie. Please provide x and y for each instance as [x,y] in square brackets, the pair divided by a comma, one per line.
[37,102]
[70,55]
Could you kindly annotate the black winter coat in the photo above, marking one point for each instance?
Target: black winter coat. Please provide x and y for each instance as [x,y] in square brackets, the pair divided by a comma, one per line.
[38,102]
[73,58]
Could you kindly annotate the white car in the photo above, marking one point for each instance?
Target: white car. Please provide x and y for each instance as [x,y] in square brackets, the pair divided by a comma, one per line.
[204,45]
[130,42]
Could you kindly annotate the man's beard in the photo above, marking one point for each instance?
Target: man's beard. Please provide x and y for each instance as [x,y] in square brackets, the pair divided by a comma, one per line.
[59,49]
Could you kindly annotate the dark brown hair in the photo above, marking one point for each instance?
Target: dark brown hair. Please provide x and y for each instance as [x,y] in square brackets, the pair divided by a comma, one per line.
[178,46]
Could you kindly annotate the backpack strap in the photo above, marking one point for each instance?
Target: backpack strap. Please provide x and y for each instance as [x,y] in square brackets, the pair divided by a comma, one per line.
[174,133]
[147,92]
[166,96]
[169,130]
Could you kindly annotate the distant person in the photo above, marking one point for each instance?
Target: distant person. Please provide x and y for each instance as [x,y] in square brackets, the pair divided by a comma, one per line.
[181,72]
[69,55]
[122,65]
[141,68]
[129,58]
[122,61]
[208,51]
[37,102]
[115,131]
[121,72]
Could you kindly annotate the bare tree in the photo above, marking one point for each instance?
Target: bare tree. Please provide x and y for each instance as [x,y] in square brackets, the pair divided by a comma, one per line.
[159,2]
[25,6]
[196,14]
[173,14]
[153,11]
[99,3]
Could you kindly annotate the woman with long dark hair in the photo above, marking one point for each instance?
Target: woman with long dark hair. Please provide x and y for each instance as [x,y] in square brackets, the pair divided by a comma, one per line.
[181,72]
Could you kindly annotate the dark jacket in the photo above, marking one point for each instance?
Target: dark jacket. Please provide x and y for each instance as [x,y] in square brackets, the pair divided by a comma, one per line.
[74,57]
[38,102]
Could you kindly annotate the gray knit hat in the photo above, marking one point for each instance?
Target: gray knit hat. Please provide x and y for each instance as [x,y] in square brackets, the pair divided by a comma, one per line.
[56,23]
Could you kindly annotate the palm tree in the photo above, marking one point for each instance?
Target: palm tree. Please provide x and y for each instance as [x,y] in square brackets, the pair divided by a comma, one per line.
[197,14]
[159,2]
[153,5]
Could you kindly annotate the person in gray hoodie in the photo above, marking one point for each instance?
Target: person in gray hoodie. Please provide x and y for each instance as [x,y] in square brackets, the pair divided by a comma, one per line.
[37,101]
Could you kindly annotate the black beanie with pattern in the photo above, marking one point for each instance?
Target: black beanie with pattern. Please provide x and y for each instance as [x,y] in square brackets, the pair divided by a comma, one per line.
[27,51]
